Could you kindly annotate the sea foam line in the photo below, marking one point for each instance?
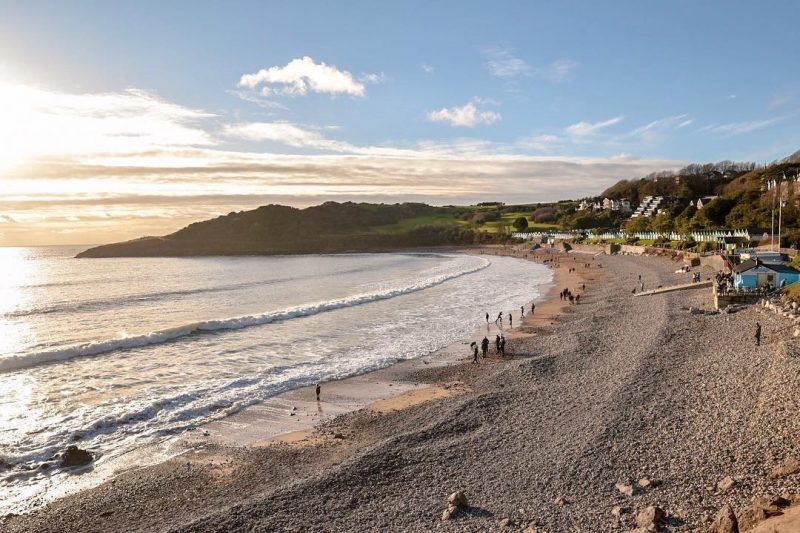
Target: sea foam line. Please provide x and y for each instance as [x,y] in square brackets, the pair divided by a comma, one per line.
[92,348]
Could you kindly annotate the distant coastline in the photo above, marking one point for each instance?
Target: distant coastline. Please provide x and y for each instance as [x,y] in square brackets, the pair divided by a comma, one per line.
[328,228]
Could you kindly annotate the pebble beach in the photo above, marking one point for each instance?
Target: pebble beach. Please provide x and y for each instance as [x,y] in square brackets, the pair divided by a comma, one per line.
[604,409]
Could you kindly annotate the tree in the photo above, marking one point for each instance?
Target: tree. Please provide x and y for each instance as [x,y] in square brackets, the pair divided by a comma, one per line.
[637,225]
[521,224]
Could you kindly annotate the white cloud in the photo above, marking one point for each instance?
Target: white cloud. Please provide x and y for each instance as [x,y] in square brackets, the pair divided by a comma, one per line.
[781,99]
[465,116]
[652,131]
[582,130]
[544,143]
[373,79]
[37,122]
[428,68]
[503,64]
[284,133]
[560,69]
[301,76]
[738,128]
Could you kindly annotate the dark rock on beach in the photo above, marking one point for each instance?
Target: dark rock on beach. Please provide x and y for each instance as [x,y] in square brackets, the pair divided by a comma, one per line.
[74,456]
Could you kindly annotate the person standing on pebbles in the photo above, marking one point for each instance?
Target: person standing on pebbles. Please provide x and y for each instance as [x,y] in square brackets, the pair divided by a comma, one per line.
[474,346]
[758,334]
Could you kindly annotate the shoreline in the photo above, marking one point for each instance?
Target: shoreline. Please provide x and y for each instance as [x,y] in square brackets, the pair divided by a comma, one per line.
[618,404]
[293,415]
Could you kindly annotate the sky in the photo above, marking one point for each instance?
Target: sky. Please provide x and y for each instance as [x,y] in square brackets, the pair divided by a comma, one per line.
[124,119]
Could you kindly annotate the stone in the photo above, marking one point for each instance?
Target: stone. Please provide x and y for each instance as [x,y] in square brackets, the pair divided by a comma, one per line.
[789,467]
[650,517]
[725,521]
[74,456]
[458,499]
[625,489]
[726,484]
[559,501]
[760,509]
[338,436]
[448,513]
[531,528]
[618,510]
[644,483]
[505,522]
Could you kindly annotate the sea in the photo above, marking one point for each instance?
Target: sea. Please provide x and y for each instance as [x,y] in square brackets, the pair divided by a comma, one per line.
[115,354]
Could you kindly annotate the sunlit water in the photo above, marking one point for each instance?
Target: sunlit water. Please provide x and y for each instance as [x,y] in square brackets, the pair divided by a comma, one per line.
[116,353]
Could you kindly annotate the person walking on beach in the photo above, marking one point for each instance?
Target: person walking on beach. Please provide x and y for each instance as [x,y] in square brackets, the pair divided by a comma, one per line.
[487,319]
[318,391]
[577,299]
[522,311]
[533,308]
[502,346]
[485,347]
[474,347]
[510,321]
[497,345]
[499,319]
[758,334]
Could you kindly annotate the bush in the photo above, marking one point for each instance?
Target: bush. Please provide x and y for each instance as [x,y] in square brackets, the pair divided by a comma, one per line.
[545,214]
[707,247]
[521,224]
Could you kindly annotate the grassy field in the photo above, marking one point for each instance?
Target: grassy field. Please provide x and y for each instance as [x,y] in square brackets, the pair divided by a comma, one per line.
[506,221]
[505,224]
[411,223]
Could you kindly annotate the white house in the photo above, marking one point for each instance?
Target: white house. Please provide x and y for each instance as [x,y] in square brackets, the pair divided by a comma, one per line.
[704,201]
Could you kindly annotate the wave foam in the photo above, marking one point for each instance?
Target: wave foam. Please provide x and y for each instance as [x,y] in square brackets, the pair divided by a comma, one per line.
[158,337]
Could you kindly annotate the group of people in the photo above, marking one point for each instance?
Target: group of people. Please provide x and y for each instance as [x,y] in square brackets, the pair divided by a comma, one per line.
[566,295]
[499,344]
[500,315]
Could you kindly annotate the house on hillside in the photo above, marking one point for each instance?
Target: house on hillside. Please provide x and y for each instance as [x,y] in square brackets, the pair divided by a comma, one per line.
[584,205]
[617,205]
[704,201]
[755,274]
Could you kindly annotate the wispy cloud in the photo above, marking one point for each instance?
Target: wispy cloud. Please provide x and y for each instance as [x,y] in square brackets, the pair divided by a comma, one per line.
[654,131]
[583,130]
[428,68]
[738,128]
[544,143]
[560,69]
[782,99]
[466,116]
[37,122]
[303,75]
[372,79]
[502,63]
[284,133]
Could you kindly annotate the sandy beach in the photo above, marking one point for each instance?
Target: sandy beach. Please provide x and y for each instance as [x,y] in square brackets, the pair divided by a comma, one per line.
[619,391]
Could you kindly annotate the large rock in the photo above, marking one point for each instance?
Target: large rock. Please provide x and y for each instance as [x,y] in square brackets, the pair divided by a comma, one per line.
[458,499]
[725,521]
[74,456]
[789,467]
[650,517]
[762,508]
